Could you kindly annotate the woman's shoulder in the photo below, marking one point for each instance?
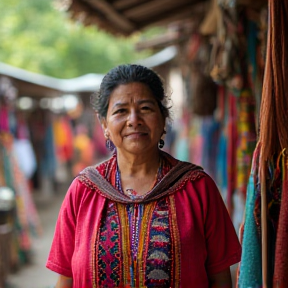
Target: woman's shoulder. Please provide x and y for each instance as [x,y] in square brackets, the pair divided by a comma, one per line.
[101,168]
[90,177]
[191,170]
[201,185]
[193,174]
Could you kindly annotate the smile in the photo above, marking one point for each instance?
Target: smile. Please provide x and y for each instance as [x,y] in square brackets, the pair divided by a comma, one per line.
[136,134]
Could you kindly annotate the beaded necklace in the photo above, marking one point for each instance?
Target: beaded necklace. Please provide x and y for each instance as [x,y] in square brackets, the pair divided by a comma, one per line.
[135,211]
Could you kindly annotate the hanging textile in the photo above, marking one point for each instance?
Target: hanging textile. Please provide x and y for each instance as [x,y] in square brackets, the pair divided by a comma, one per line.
[25,218]
[246,139]
[231,150]
[210,134]
[250,267]
[63,138]
[266,214]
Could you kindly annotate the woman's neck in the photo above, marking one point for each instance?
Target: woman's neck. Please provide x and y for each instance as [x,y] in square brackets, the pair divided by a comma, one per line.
[138,165]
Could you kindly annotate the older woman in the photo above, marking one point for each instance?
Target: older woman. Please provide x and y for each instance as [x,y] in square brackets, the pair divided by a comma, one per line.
[141,218]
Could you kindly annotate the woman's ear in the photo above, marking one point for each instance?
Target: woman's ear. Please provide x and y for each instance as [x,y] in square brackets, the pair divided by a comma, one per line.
[104,128]
[103,123]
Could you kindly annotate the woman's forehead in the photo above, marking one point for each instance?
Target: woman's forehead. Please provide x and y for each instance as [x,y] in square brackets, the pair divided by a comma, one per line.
[132,92]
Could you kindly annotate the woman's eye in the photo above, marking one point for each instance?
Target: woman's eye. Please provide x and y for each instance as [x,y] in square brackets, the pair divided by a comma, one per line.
[145,108]
[119,111]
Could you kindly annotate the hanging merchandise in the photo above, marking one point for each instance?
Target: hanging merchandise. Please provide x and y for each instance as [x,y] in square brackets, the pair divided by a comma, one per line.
[25,218]
[221,160]
[204,94]
[246,139]
[224,61]
[195,140]
[26,222]
[210,135]
[23,149]
[232,138]
[63,140]
[63,137]
[265,236]
[203,90]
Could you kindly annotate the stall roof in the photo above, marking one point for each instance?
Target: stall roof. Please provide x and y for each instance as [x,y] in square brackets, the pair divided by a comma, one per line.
[33,84]
[123,17]
[37,85]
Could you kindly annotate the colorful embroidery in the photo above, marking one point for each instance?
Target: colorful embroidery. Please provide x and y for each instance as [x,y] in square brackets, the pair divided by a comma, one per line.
[176,244]
[159,256]
[109,256]
[137,244]
[100,179]
[134,264]
[155,262]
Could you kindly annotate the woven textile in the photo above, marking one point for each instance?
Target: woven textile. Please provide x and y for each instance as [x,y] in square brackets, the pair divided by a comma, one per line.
[250,267]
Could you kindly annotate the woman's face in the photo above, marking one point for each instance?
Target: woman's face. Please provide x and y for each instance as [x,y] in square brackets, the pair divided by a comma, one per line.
[134,122]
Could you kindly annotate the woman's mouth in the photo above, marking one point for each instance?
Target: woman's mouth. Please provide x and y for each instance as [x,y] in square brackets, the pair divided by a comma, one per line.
[136,135]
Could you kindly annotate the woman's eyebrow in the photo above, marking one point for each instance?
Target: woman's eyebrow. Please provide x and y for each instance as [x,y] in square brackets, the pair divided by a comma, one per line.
[119,104]
[146,101]
[139,102]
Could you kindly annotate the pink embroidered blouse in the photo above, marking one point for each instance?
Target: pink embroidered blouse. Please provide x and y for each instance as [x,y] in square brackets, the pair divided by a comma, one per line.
[184,235]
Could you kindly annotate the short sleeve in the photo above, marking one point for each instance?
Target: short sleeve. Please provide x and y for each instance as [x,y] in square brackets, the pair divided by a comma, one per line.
[62,248]
[223,247]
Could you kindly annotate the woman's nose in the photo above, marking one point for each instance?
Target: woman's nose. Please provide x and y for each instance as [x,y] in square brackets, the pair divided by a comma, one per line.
[134,119]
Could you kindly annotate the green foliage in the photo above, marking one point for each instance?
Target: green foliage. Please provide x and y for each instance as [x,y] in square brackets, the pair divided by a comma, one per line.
[37,37]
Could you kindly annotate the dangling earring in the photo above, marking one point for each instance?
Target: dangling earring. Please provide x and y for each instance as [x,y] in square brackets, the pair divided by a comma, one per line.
[110,145]
[161,143]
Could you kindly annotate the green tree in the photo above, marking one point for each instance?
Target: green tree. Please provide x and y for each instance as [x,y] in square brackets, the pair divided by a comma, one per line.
[35,36]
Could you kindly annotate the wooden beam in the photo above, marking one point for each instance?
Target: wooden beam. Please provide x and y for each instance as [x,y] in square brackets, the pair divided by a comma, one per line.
[153,8]
[124,4]
[255,4]
[184,12]
[112,15]
[163,40]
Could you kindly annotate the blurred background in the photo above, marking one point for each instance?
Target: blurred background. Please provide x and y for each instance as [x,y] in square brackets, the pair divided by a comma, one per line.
[53,55]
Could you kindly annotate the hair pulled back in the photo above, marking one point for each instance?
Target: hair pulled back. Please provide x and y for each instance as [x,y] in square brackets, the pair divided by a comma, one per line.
[125,74]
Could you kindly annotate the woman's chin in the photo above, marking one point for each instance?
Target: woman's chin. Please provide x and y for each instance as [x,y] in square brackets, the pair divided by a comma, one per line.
[138,149]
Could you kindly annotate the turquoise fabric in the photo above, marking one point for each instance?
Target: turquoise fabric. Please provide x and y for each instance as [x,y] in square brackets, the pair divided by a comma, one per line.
[250,266]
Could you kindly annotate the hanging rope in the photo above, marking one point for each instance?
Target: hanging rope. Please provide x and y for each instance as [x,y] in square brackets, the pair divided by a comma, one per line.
[270,179]
[280,278]
[274,105]
[273,119]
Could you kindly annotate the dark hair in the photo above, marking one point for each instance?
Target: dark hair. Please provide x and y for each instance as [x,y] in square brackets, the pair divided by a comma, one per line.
[124,74]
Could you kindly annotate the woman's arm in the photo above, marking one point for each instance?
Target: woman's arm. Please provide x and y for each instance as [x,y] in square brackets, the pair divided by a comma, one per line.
[221,279]
[64,282]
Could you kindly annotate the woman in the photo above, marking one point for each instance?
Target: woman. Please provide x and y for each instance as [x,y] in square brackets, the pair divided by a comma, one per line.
[141,218]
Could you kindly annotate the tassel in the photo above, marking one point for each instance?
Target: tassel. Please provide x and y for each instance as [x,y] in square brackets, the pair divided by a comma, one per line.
[264,232]
[250,273]
[280,278]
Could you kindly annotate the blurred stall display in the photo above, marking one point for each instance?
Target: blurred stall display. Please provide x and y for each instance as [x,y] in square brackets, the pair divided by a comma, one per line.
[7,205]
[19,218]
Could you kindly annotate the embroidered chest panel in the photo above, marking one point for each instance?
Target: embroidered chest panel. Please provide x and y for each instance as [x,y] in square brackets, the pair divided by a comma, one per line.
[138,246]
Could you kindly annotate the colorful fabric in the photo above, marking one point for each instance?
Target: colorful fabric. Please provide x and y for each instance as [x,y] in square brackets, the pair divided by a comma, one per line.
[27,222]
[63,138]
[108,256]
[246,139]
[250,266]
[231,150]
[280,277]
[210,134]
[178,232]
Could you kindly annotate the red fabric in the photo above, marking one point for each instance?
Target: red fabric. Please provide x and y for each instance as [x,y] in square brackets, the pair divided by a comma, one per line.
[209,243]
